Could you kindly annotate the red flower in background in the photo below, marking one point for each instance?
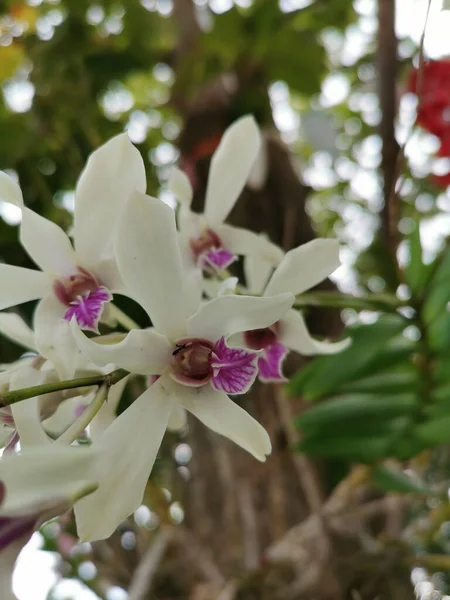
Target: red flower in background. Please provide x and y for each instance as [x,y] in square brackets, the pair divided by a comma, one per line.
[434,106]
[442,181]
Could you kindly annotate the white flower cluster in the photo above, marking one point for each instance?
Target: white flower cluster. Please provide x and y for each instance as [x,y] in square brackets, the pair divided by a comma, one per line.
[207,341]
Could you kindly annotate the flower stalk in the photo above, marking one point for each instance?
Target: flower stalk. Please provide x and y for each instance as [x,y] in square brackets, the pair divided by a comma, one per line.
[122,318]
[384,302]
[46,388]
[78,426]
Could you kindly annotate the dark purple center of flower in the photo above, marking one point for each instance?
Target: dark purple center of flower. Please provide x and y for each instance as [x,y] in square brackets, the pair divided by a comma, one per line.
[192,361]
[261,338]
[71,288]
[196,361]
[209,253]
[201,245]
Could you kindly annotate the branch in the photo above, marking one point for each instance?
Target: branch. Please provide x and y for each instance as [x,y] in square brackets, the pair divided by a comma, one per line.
[189,32]
[313,494]
[390,208]
[199,556]
[386,60]
[142,581]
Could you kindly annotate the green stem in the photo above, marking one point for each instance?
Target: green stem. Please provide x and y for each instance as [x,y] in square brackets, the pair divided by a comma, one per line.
[123,318]
[78,426]
[384,302]
[46,388]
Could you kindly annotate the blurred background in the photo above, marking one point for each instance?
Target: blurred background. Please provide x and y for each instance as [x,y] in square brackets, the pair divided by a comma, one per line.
[353,503]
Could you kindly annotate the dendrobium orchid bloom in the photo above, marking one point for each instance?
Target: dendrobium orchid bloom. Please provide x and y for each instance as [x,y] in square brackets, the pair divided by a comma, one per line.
[188,354]
[206,241]
[74,282]
[301,269]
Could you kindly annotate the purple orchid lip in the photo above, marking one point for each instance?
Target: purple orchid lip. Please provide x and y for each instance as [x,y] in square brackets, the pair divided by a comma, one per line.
[235,369]
[87,309]
[218,258]
[84,297]
[208,251]
[197,361]
[270,363]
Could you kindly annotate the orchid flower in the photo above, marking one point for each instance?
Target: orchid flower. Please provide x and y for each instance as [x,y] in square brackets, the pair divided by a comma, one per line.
[301,269]
[34,487]
[186,352]
[74,282]
[206,241]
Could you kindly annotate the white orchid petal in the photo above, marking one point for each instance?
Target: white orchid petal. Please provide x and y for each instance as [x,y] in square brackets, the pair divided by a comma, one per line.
[28,424]
[111,175]
[260,169]
[47,244]
[247,243]
[10,190]
[227,315]
[224,416]
[52,471]
[108,274]
[295,335]
[149,260]
[26,414]
[177,419]
[304,267]
[127,452]
[142,351]
[180,186]
[190,225]
[53,336]
[22,285]
[107,414]
[212,287]
[230,168]
[14,328]
[257,273]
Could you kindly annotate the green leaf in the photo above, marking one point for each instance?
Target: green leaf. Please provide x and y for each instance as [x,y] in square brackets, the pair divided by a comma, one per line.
[385,383]
[438,294]
[439,332]
[436,431]
[328,373]
[356,406]
[359,448]
[394,480]
[415,271]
